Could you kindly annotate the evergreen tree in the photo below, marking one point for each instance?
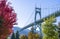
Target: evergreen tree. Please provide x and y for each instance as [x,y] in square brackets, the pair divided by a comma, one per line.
[59,29]
[17,35]
[13,36]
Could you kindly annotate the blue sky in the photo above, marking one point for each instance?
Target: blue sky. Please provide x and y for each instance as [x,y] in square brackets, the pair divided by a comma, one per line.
[25,9]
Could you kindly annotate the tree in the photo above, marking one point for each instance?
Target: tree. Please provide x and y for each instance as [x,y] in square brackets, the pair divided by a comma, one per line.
[17,35]
[30,35]
[49,29]
[7,19]
[59,29]
[23,37]
[13,36]
[33,35]
[37,36]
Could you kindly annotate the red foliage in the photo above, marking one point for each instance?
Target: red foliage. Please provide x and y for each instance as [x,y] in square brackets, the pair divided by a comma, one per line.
[7,19]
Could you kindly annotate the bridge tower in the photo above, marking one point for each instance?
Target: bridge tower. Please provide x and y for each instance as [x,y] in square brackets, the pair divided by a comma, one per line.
[37,11]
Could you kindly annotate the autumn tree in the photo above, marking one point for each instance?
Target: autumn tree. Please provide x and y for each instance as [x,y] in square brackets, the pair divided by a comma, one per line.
[23,37]
[37,36]
[49,29]
[7,19]
[33,35]
[30,35]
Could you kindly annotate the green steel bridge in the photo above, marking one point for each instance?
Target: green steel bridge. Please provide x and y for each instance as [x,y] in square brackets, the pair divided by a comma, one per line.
[57,13]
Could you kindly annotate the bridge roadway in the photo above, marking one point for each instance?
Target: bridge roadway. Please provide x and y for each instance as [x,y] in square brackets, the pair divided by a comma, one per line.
[57,13]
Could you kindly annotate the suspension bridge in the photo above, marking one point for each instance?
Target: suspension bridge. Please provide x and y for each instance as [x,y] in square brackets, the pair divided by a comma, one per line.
[37,23]
[57,13]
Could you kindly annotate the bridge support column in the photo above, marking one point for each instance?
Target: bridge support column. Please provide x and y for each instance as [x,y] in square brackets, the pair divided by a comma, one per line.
[37,11]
